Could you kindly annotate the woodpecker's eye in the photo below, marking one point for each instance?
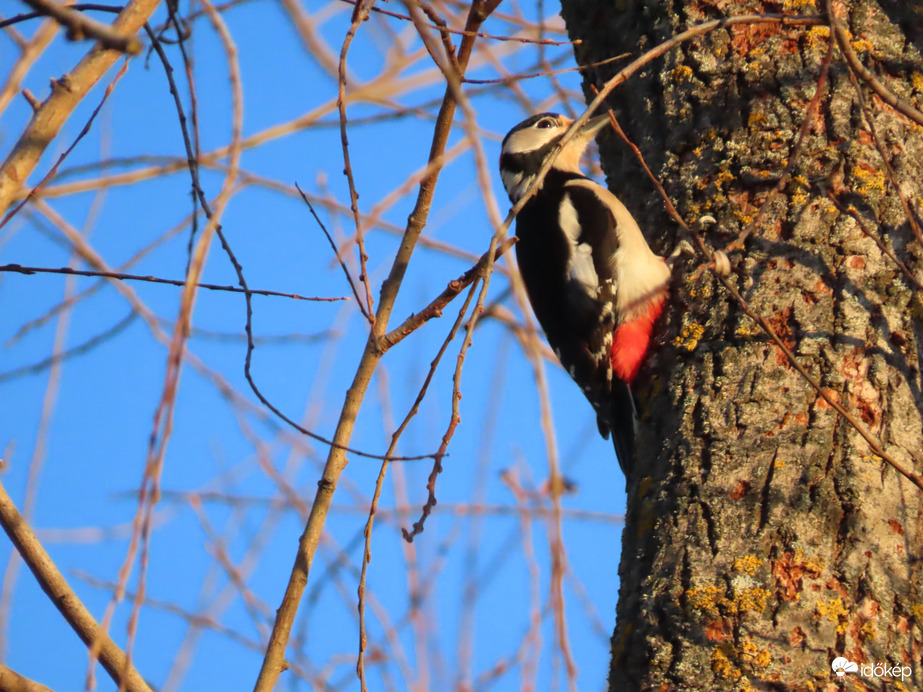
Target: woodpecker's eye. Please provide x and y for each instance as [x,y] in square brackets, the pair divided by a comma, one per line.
[544,123]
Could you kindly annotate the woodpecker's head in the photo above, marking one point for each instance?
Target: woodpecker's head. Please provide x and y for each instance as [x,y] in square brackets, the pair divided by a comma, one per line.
[527,145]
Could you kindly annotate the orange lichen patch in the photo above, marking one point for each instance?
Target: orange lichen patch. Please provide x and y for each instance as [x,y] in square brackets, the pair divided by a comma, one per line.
[862,626]
[817,37]
[871,180]
[689,337]
[755,656]
[855,262]
[862,393]
[705,598]
[740,489]
[896,527]
[751,36]
[682,73]
[796,637]
[861,45]
[790,571]
[718,630]
[779,322]
[800,6]
[713,601]
[746,210]
[821,402]
[748,564]
[722,667]
[832,610]
[917,611]
[753,600]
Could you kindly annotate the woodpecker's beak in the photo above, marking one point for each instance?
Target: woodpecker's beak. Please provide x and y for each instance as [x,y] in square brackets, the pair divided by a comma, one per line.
[594,125]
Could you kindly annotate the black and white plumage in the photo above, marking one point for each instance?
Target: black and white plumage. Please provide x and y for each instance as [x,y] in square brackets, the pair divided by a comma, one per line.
[594,283]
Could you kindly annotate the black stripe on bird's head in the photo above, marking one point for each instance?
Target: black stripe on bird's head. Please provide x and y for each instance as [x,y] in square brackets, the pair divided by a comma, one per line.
[527,145]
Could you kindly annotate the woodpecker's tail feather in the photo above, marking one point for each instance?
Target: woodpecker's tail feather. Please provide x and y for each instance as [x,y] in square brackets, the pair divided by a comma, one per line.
[620,419]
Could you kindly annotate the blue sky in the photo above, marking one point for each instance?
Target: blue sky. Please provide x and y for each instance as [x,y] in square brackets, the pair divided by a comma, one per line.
[101,415]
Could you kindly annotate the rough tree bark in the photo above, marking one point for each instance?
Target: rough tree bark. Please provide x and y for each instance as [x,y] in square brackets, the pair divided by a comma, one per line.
[763,538]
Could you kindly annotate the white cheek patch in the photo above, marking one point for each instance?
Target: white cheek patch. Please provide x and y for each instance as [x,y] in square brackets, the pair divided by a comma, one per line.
[580,266]
[531,139]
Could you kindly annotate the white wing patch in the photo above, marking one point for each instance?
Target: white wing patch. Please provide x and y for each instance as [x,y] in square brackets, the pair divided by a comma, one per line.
[580,266]
[642,275]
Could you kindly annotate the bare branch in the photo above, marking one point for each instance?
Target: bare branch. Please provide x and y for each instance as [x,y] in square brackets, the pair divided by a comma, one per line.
[65,600]
[434,309]
[66,93]
[83,132]
[80,27]
[11,681]
[273,663]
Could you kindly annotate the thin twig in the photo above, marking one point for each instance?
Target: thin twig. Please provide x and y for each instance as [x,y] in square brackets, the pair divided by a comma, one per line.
[336,251]
[813,106]
[360,14]
[79,27]
[842,41]
[60,356]
[373,508]
[876,237]
[19,269]
[880,148]
[163,416]
[434,309]
[29,53]
[472,34]
[192,161]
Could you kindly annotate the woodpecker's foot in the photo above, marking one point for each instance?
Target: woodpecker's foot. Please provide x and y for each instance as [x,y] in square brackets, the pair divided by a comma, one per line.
[707,220]
[721,263]
[682,248]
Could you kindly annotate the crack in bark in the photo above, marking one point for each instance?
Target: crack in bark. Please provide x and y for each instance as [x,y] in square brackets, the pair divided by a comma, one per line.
[764,494]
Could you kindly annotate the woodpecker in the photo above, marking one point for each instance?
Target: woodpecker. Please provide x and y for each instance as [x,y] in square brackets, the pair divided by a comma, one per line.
[593,282]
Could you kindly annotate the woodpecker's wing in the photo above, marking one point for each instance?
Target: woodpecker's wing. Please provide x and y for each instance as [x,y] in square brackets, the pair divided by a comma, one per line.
[591,225]
[568,239]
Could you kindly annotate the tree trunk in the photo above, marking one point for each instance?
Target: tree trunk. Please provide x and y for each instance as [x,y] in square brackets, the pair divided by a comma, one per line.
[763,538]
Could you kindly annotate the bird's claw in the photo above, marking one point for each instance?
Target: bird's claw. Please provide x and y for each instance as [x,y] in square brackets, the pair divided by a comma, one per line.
[683,247]
[721,263]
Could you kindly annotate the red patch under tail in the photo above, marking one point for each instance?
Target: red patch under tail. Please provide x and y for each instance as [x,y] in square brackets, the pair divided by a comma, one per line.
[631,340]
